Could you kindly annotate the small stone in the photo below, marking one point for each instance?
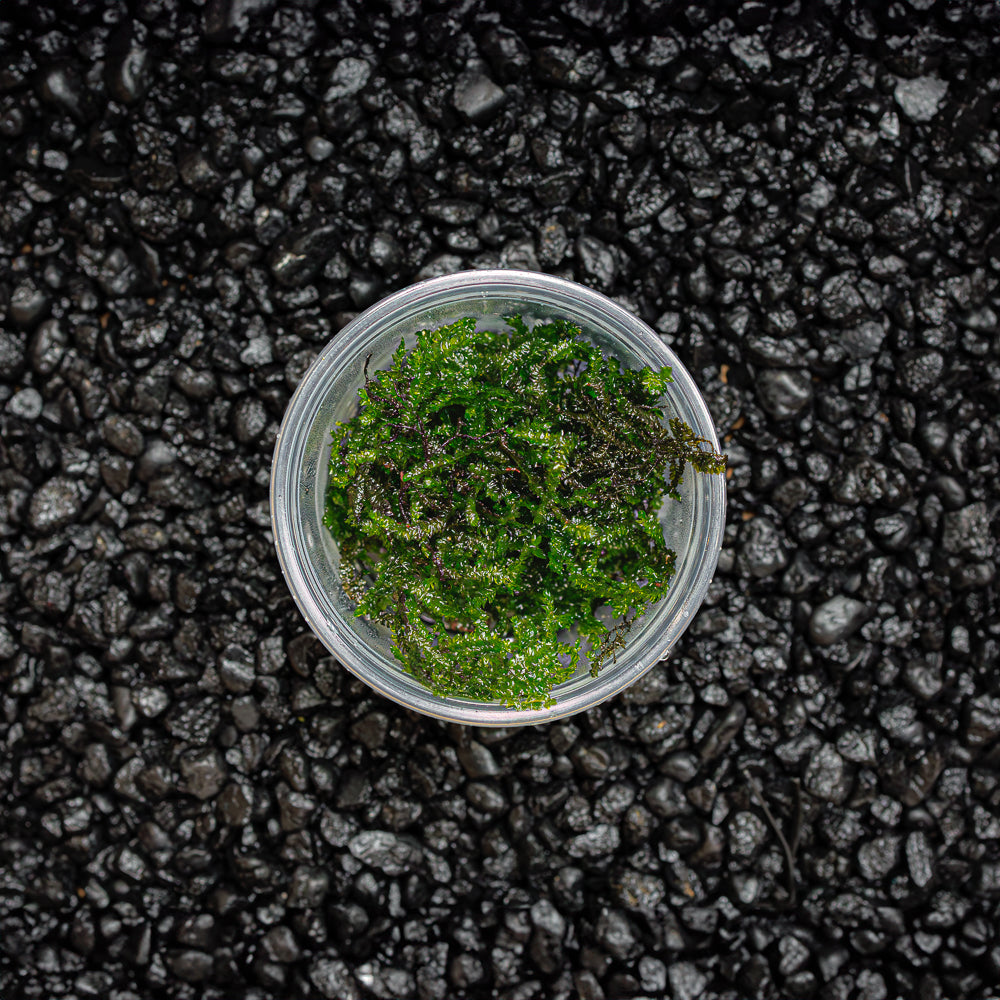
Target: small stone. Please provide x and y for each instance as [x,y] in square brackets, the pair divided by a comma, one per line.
[384,251]
[131,865]
[319,149]
[309,886]
[11,354]
[553,242]
[751,51]
[236,669]
[682,833]
[982,720]
[836,619]
[840,301]
[190,965]
[25,404]
[826,775]
[371,730]
[477,97]
[233,805]
[198,172]
[616,935]
[652,975]
[258,352]
[453,211]
[203,772]
[249,419]
[546,947]
[762,550]
[784,393]
[558,188]
[682,766]
[747,834]
[128,68]
[600,841]
[121,434]
[967,531]
[666,798]
[477,760]
[919,858]
[876,858]
[295,808]
[61,87]
[687,981]
[724,731]
[333,979]
[279,945]
[28,304]
[596,261]
[922,679]
[300,255]
[920,370]
[864,340]
[54,505]
[920,99]
[141,335]
[465,970]
[508,55]
[385,851]
[347,78]
[520,256]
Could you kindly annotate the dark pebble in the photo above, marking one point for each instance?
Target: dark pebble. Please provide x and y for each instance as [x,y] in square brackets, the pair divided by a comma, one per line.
[616,935]
[920,99]
[920,371]
[28,304]
[190,965]
[477,760]
[477,97]
[26,404]
[122,435]
[836,619]
[298,257]
[203,773]
[249,419]
[784,393]
[48,345]
[762,551]
[140,336]
[968,531]
[385,851]
[279,945]
[54,505]
[826,775]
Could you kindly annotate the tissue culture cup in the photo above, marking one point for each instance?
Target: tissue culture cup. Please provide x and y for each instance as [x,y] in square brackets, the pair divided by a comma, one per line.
[328,393]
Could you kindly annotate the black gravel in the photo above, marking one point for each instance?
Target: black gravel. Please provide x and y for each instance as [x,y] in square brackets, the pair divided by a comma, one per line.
[197,802]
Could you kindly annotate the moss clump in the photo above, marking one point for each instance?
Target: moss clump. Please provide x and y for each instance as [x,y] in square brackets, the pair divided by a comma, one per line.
[493,490]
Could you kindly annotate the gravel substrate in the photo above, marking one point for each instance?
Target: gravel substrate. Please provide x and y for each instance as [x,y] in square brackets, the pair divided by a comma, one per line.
[197,802]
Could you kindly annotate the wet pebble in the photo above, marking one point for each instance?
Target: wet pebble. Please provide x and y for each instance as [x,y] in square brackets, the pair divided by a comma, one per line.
[784,393]
[54,505]
[920,98]
[26,404]
[826,775]
[836,619]
[385,851]
[203,772]
[477,97]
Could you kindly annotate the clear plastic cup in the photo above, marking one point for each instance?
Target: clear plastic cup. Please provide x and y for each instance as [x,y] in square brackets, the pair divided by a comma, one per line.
[329,392]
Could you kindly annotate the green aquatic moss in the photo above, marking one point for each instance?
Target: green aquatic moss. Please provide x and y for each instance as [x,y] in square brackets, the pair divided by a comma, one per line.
[495,488]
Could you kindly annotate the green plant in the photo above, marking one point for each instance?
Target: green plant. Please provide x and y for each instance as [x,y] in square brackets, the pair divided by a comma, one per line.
[493,490]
